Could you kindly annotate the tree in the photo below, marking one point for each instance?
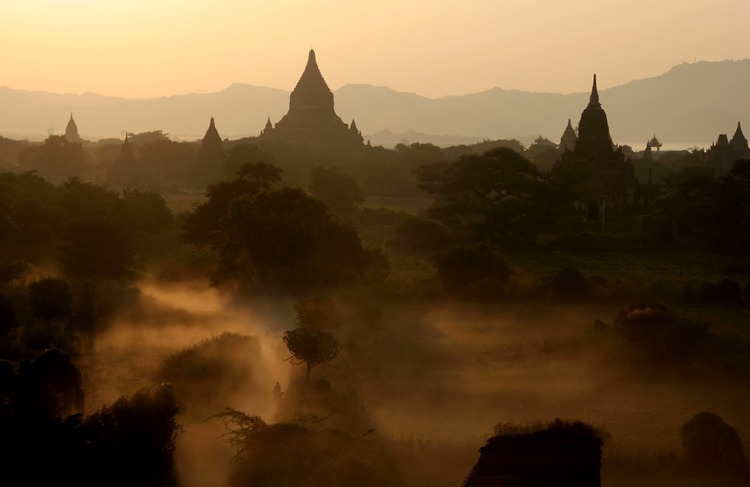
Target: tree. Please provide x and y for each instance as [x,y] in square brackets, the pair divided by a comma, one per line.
[337,189]
[462,268]
[56,159]
[241,155]
[706,214]
[203,224]
[710,442]
[277,240]
[497,197]
[310,346]
[50,299]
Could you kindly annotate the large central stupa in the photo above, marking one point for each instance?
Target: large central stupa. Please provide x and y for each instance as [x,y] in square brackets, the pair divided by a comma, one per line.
[311,120]
[595,167]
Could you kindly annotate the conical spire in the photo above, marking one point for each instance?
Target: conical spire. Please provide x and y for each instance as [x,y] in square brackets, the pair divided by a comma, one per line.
[71,130]
[268,123]
[739,143]
[126,150]
[569,138]
[738,133]
[594,100]
[212,137]
[353,126]
[311,89]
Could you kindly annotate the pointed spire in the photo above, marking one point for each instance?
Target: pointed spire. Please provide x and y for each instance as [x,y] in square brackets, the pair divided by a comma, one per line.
[353,126]
[594,100]
[212,137]
[71,130]
[269,125]
[568,139]
[126,150]
[738,133]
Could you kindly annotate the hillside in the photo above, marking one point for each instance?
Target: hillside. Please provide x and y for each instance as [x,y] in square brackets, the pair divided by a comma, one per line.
[688,105]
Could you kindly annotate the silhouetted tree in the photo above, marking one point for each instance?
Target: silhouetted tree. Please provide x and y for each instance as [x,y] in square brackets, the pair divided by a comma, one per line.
[339,190]
[7,316]
[290,455]
[50,299]
[706,214]
[204,224]
[277,240]
[132,442]
[56,159]
[311,346]
[242,154]
[461,268]
[50,385]
[709,442]
[497,197]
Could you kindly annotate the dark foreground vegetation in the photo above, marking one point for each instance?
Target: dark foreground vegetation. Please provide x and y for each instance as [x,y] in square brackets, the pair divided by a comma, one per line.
[400,304]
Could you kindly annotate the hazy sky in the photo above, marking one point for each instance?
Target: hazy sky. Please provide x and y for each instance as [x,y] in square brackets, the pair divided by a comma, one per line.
[148,48]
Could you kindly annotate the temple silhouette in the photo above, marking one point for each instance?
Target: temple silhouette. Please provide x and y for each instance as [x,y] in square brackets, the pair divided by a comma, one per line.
[724,152]
[312,121]
[208,163]
[71,131]
[122,171]
[600,172]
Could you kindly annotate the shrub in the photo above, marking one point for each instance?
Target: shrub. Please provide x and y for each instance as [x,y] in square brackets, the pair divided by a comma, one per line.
[462,267]
[709,442]
[570,284]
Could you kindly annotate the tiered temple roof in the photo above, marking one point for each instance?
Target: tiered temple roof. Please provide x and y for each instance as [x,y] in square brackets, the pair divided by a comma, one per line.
[312,120]
[724,152]
[602,173]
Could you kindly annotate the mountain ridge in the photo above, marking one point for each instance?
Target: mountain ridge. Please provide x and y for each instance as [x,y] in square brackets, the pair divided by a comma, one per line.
[689,103]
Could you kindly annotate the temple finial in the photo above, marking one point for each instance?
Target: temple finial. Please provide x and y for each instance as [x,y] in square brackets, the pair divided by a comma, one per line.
[594,100]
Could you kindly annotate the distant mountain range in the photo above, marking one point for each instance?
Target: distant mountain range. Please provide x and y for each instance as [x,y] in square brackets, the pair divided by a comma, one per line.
[691,104]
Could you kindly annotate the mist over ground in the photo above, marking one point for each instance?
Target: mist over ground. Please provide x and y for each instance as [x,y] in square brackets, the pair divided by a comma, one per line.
[441,375]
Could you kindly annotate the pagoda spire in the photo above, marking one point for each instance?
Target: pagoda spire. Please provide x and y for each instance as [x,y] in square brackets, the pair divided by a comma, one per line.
[594,99]
[212,137]
[71,130]
[738,133]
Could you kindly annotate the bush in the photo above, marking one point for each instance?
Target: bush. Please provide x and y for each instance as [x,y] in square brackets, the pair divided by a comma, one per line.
[570,284]
[212,370]
[726,292]
[660,334]
[290,455]
[462,268]
[709,442]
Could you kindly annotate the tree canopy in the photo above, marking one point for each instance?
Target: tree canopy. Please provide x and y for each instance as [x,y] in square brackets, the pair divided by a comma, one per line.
[311,346]
[276,239]
[498,197]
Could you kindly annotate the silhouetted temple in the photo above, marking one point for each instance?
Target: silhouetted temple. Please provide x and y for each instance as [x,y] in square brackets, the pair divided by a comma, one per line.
[568,139]
[723,154]
[599,171]
[71,131]
[655,143]
[123,170]
[212,147]
[311,120]
[209,159]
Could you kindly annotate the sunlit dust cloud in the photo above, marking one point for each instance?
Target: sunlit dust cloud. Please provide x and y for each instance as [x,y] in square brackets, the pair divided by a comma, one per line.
[134,346]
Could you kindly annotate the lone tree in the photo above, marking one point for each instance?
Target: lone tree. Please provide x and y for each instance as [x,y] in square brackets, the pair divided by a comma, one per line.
[311,347]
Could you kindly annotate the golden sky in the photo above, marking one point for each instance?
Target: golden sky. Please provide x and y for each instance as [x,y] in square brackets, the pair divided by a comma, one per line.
[149,48]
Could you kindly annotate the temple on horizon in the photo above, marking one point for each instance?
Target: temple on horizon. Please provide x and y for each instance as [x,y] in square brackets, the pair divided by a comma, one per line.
[600,172]
[71,131]
[312,121]
[724,152]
